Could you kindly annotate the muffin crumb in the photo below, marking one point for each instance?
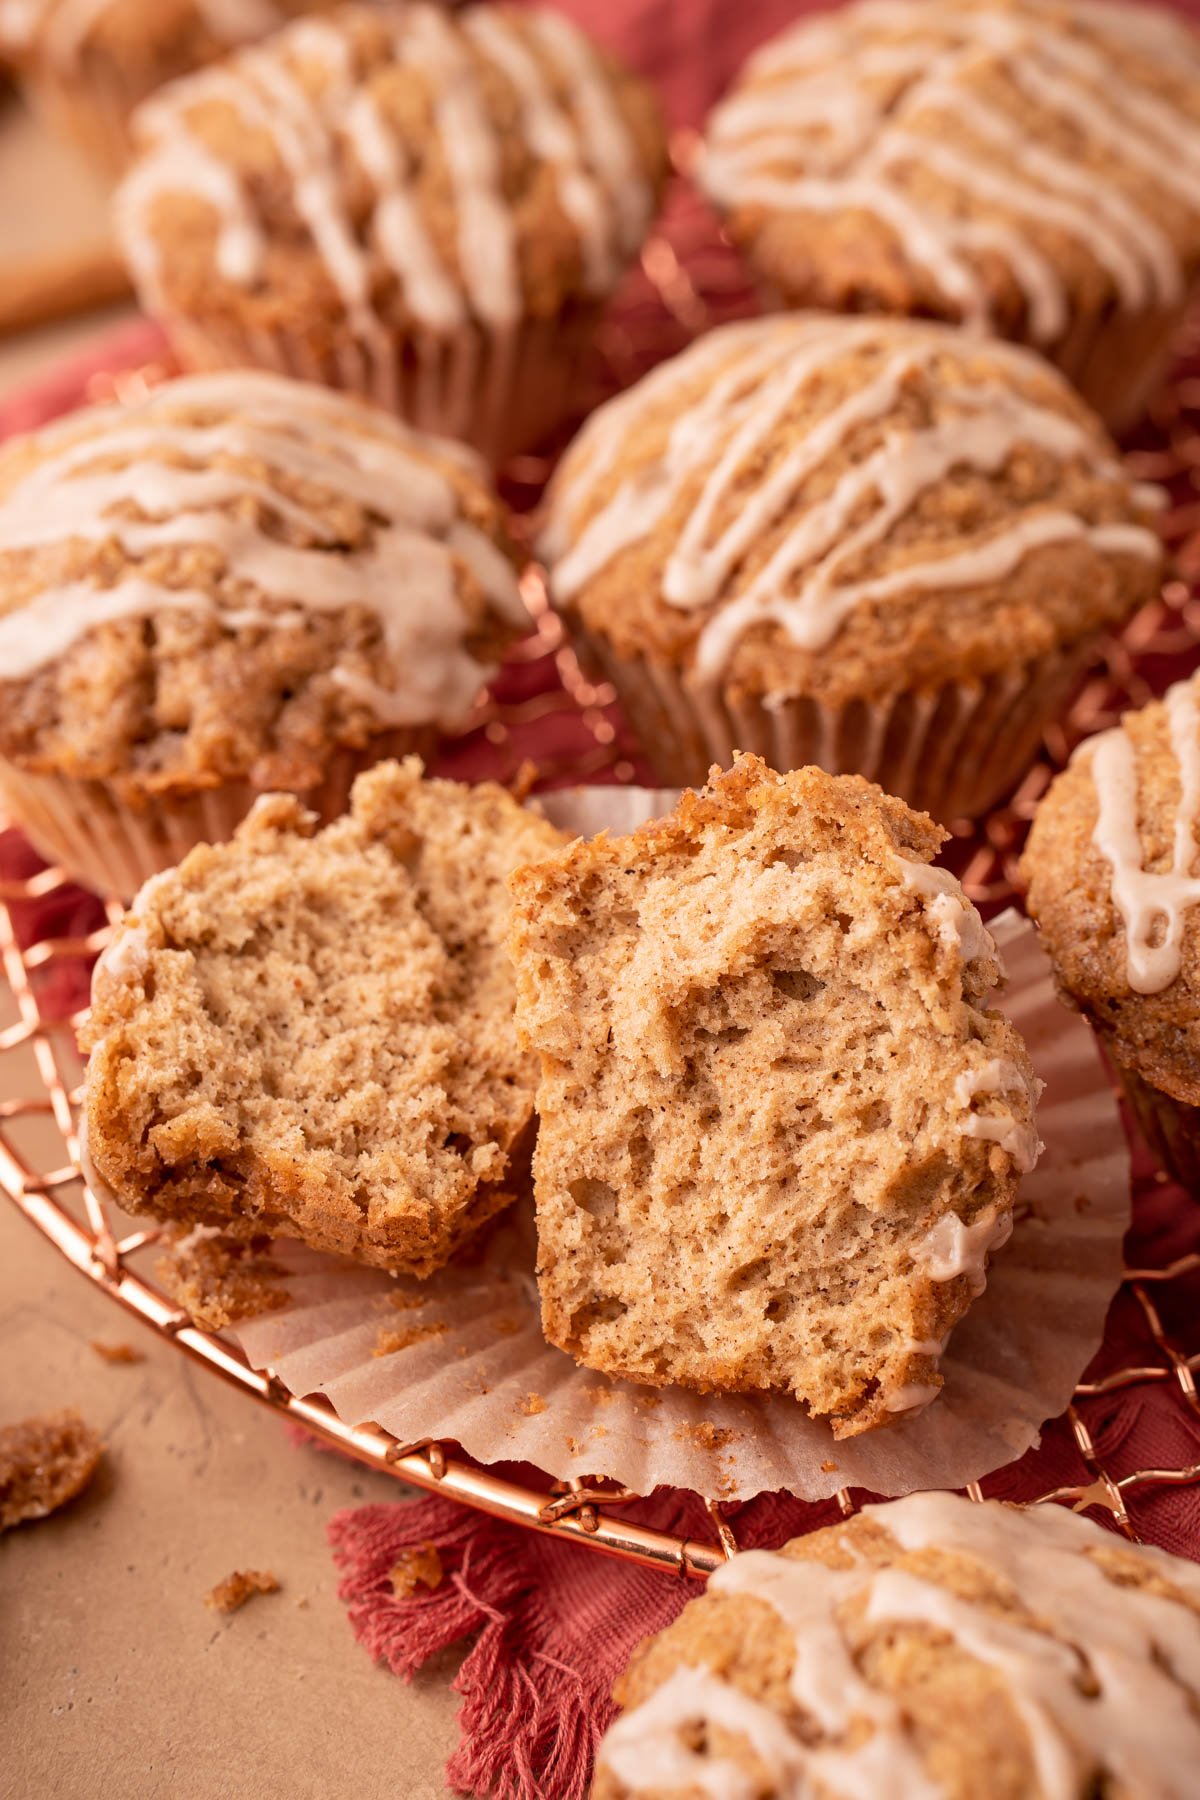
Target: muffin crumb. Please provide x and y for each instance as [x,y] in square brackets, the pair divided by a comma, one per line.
[116,1353]
[231,1594]
[419,1567]
[44,1463]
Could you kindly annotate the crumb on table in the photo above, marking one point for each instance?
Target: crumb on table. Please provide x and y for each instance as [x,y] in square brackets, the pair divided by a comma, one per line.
[117,1353]
[236,1589]
[419,1567]
[44,1462]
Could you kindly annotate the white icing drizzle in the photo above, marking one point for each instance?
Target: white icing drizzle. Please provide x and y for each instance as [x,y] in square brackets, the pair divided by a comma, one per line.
[1153,904]
[806,586]
[315,122]
[173,473]
[913,1396]
[846,110]
[951,1248]
[955,920]
[1117,1704]
[997,1076]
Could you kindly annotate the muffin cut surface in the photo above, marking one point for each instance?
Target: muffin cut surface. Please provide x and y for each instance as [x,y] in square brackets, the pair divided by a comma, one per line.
[311,1035]
[928,1649]
[779,1130]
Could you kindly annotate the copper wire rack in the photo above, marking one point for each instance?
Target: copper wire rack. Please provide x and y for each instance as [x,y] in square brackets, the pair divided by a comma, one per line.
[543,719]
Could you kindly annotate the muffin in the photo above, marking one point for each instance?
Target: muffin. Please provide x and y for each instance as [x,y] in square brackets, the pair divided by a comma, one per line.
[239,583]
[881,546]
[1113,884]
[309,1033]
[88,67]
[1025,167]
[429,210]
[929,1647]
[779,1129]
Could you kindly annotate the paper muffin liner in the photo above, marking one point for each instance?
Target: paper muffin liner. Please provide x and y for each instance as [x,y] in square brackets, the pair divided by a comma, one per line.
[1170,1127]
[1116,361]
[501,391]
[112,846]
[952,751]
[461,1358]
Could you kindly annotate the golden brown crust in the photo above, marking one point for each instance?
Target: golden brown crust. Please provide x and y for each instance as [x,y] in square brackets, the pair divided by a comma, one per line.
[310,1035]
[965,1725]
[1070,896]
[245,681]
[918,638]
[736,1172]
[296,289]
[853,258]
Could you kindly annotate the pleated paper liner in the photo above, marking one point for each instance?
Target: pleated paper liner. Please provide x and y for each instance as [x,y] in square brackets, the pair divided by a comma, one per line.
[461,1358]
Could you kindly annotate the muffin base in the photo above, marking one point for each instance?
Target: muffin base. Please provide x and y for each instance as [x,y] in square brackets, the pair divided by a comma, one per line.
[100,840]
[1170,1127]
[501,392]
[1117,361]
[951,751]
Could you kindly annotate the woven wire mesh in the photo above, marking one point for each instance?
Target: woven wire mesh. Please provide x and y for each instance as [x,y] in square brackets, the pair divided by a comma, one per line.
[544,722]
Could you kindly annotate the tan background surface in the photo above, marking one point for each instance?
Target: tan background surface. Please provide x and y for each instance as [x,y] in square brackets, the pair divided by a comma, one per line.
[115,1681]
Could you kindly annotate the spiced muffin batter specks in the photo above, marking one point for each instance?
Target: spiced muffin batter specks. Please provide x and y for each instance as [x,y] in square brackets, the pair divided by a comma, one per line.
[780,1130]
[309,1033]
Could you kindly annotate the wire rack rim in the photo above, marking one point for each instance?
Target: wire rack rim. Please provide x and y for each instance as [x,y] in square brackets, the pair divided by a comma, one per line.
[578,1515]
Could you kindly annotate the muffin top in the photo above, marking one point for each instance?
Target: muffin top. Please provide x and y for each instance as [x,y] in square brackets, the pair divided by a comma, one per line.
[842,507]
[780,1131]
[1011,162]
[237,572]
[926,1649]
[400,165]
[1113,882]
[309,1033]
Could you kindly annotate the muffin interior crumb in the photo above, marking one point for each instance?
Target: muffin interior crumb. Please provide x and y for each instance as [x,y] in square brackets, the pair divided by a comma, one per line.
[751,1135]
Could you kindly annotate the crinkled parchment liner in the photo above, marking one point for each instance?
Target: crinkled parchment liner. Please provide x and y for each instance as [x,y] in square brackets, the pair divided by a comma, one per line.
[461,1357]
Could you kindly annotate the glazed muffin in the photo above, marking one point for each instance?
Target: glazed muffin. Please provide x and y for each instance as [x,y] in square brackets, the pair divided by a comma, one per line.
[780,1131]
[1031,167]
[430,210]
[88,67]
[929,1647]
[881,546]
[309,1033]
[1111,868]
[239,583]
